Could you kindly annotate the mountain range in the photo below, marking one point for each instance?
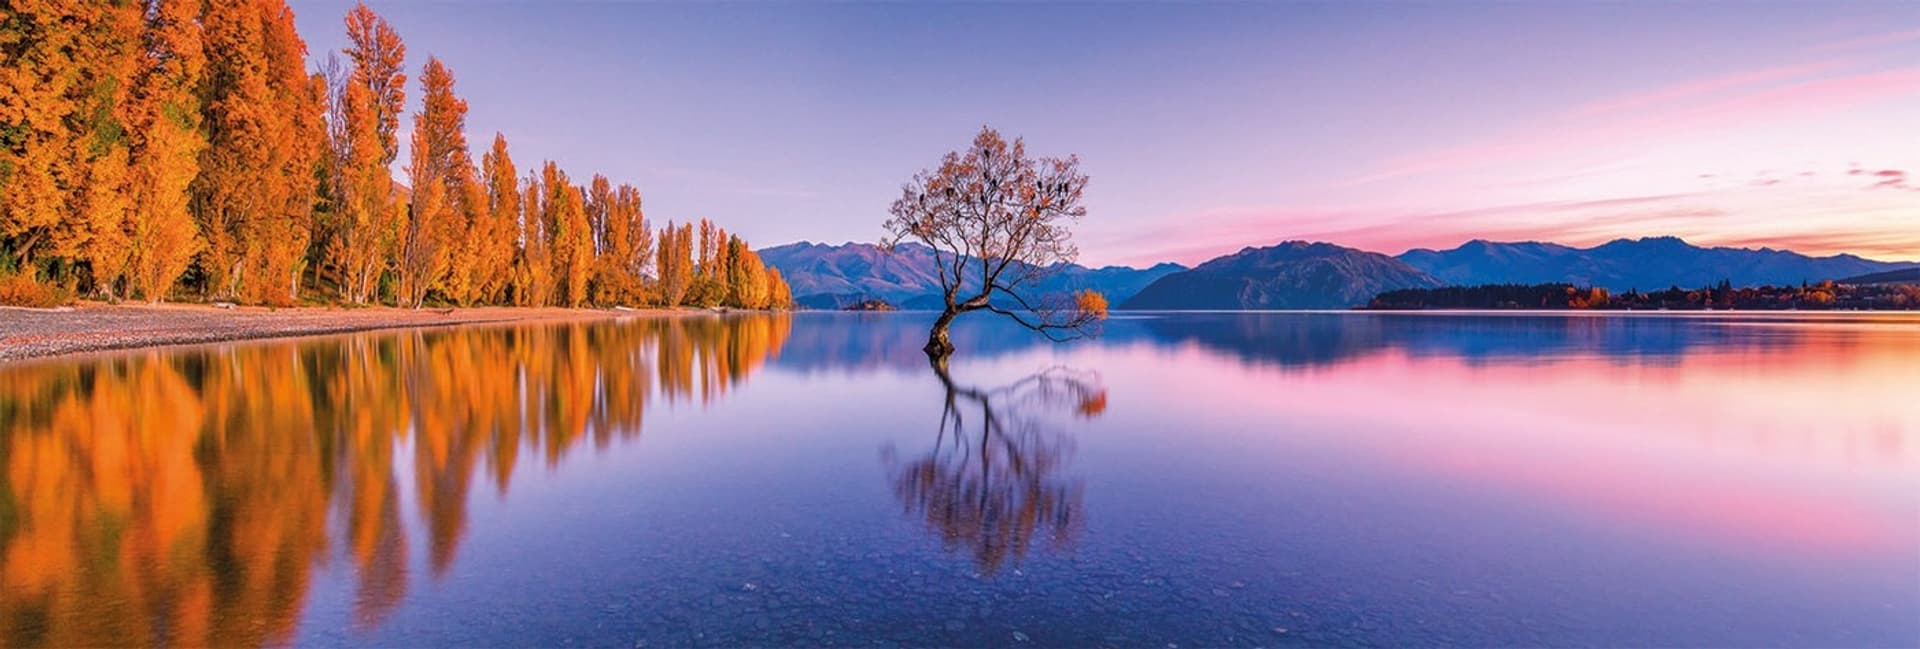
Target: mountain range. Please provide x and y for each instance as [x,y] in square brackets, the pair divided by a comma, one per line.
[1650,263]
[1314,275]
[1291,275]
[827,276]
[1902,276]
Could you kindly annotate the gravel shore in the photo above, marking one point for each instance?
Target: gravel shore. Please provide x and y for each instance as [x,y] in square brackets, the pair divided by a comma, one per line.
[34,333]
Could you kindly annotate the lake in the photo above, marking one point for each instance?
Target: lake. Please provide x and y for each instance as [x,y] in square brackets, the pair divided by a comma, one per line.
[1190,480]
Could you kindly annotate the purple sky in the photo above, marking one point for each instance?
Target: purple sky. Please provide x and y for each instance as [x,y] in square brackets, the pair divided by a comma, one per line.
[1214,126]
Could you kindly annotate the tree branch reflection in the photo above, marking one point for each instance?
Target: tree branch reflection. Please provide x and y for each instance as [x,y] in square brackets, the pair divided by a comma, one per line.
[991,484]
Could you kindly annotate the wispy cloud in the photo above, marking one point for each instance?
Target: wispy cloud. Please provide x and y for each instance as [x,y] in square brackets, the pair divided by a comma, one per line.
[1210,233]
[1883,178]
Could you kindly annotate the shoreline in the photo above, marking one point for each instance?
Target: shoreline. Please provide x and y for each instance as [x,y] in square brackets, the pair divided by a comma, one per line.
[39,334]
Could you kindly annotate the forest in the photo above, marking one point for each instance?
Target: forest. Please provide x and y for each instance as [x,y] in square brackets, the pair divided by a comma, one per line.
[1825,295]
[183,150]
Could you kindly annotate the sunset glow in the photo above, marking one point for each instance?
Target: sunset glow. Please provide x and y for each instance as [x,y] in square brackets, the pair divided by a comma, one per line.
[1208,128]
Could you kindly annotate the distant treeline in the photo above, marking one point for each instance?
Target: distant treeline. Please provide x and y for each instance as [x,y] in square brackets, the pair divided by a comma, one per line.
[183,148]
[1824,295]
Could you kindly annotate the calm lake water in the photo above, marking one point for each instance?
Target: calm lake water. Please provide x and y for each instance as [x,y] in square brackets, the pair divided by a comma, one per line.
[1187,479]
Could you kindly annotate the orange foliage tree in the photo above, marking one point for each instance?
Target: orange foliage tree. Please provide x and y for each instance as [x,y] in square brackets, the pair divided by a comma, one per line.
[255,192]
[66,70]
[441,172]
[571,242]
[501,230]
[143,141]
[167,141]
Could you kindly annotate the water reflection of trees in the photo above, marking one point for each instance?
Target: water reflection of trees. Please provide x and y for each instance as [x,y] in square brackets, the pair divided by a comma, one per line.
[991,484]
[183,497]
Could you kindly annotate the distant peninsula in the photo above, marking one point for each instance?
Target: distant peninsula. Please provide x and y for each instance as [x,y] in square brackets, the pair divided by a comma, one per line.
[1825,295]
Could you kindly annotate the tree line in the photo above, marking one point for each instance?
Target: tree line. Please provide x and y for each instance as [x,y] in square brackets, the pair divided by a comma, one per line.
[181,148]
[1817,296]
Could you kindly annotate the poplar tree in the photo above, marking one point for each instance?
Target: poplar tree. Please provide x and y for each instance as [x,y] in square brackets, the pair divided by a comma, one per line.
[166,144]
[506,234]
[379,59]
[440,170]
[282,230]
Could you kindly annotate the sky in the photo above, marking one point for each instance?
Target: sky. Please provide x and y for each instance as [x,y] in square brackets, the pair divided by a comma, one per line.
[1208,127]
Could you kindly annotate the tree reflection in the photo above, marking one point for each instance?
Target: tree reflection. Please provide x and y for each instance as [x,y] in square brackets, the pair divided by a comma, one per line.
[991,485]
[183,497]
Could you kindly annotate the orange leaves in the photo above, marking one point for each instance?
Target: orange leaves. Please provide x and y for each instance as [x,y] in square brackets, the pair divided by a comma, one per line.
[167,143]
[145,137]
[258,175]
[625,242]
[1091,302]
[565,216]
[378,58]
[445,195]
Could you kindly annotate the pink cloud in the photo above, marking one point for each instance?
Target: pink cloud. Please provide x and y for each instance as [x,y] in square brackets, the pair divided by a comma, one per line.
[1900,245]
[1884,178]
[1209,234]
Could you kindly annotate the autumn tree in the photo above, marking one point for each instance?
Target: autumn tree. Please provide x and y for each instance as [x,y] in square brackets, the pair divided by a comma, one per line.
[626,242]
[99,236]
[998,221]
[505,233]
[167,141]
[365,210]
[470,243]
[745,275]
[379,59]
[227,190]
[636,253]
[421,253]
[440,171]
[64,70]
[146,140]
[367,214]
[254,196]
[779,295]
[604,283]
[281,232]
[708,285]
[674,265]
[534,266]
[564,213]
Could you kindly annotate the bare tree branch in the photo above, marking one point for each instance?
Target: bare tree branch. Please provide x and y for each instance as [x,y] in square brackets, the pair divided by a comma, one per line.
[995,214]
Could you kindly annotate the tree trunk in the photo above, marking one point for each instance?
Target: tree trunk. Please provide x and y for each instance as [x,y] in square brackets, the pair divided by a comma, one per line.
[939,346]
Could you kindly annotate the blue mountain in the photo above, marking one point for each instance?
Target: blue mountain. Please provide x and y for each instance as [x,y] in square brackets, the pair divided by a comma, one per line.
[1646,264]
[1291,275]
[824,276]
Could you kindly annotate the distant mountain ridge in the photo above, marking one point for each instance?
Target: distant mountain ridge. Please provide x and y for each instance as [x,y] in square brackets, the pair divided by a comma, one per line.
[1290,275]
[1902,276]
[825,276]
[1303,275]
[1648,263]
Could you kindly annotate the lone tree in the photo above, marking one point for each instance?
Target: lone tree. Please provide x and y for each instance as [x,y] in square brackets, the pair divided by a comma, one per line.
[998,223]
